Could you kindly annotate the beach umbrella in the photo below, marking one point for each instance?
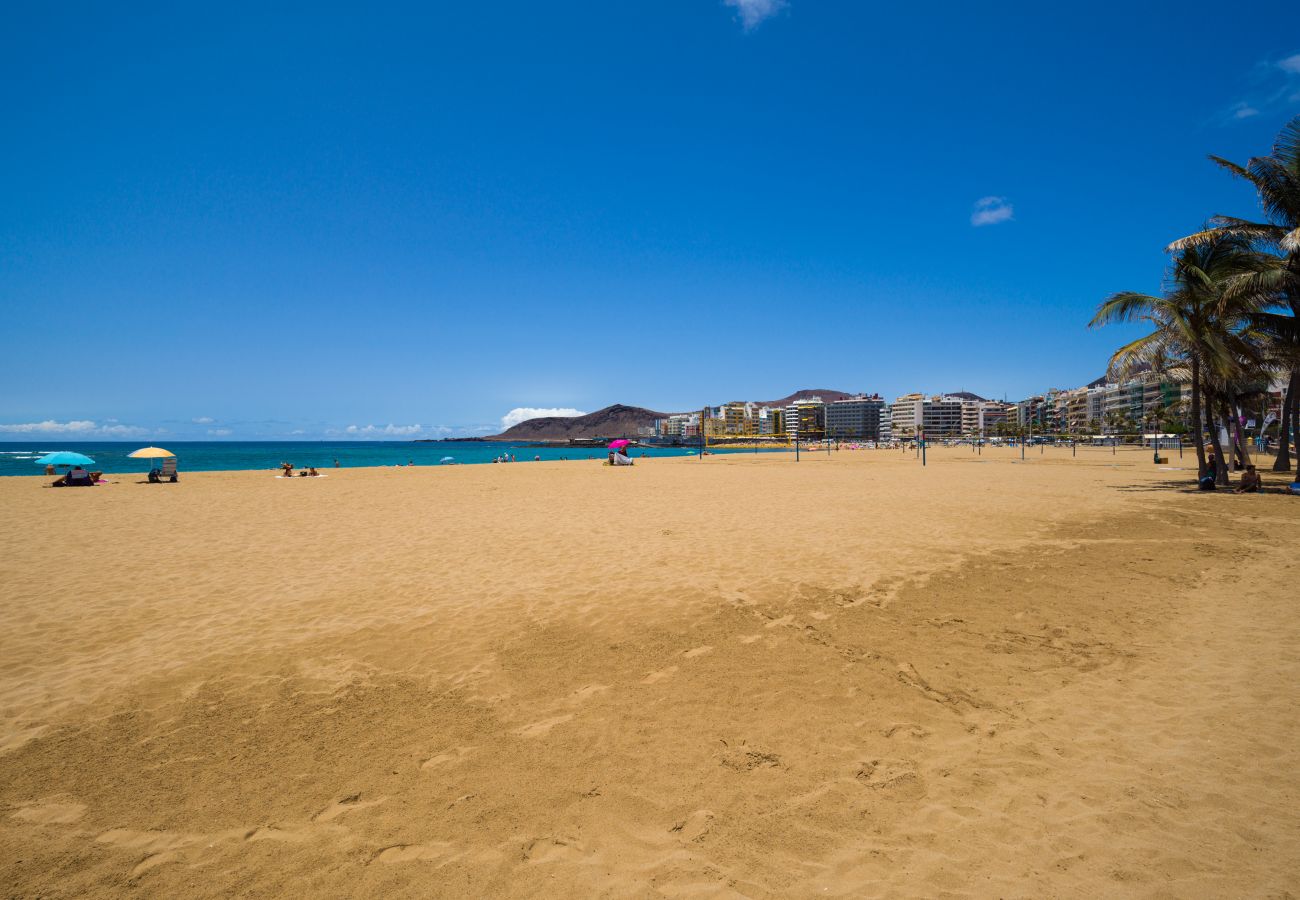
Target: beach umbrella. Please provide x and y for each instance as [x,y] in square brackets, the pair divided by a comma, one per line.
[614,445]
[150,453]
[65,458]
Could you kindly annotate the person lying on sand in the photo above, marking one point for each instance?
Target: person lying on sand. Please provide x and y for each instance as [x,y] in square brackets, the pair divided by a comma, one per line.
[1250,482]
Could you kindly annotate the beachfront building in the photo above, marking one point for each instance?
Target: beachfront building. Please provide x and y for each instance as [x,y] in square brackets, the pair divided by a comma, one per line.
[1027,413]
[906,416]
[805,420]
[739,418]
[855,417]
[979,418]
[771,420]
[941,417]
[886,423]
[1142,403]
[675,428]
[1083,409]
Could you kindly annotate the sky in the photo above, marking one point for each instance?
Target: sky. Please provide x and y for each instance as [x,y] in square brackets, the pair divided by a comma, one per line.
[325,220]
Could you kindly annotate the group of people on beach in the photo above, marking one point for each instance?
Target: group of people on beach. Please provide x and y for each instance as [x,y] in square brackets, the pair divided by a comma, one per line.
[1251,482]
[75,477]
[286,469]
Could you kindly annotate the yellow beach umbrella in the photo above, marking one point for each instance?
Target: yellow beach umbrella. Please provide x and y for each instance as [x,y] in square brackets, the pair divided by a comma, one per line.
[150,453]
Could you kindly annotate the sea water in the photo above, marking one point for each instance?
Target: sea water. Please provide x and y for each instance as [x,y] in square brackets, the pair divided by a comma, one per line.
[19,457]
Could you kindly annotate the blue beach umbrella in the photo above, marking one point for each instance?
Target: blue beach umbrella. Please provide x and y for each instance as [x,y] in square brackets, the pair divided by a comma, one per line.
[65,458]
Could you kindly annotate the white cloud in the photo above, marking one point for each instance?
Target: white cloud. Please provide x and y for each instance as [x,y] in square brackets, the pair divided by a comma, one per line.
[524,413]
[78,427]
[991,211]
[389,430]
[298,431]
[752,12]
[219,432]
[203,420]
[1271,88]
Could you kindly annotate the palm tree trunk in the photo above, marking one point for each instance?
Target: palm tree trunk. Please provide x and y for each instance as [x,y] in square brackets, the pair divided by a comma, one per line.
[1198,433]
[1225,413]
[1282,463]
[1243,445]
[1220,466]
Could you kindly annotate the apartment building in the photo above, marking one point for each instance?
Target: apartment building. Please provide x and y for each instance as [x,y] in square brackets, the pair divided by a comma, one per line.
[855,417]
[805,420]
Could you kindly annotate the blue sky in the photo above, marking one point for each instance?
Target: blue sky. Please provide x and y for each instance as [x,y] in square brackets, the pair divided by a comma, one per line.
[248,222]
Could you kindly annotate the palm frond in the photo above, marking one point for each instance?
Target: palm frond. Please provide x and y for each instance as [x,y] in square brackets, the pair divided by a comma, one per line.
[1127,306]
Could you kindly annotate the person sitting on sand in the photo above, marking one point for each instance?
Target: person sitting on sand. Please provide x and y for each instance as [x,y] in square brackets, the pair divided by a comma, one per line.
[312,471]
[1207,482]
[286,469]
[76,477]
[1250,482]
[619,457]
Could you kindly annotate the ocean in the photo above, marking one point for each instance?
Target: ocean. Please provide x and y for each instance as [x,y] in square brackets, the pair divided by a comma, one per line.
[19,457]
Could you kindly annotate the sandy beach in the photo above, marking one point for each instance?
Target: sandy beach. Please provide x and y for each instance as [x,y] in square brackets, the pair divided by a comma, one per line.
[736,677]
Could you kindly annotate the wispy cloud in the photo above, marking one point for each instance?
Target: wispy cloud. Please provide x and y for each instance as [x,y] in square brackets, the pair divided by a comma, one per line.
[991,211]
[85,428]
[203,420]
[388,430]
[753,12]
[219,432]
[524,413]
[1274,85]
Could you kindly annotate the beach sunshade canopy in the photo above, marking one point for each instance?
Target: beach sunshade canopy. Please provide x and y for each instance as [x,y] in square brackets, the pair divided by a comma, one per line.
[150,453]
[614,445]
[65,458]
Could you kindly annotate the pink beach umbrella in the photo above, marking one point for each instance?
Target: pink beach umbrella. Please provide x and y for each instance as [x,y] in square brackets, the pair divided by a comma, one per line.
[614,445]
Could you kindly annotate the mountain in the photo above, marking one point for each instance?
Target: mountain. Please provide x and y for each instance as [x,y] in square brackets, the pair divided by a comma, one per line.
[611,422]
[828,395]
[966,395]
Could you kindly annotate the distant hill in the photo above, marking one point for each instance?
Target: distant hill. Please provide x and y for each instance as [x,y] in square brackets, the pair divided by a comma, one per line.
[826,394]
[615,421]
[966,395]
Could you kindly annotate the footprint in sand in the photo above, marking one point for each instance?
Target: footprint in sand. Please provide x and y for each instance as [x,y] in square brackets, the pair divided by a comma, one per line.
[146,841]
[776,623]
[50,813]
[154,861]
[544,850]
[447,758]
[344,806]
[698,651]
[695,826]
[583,693]
[660,675]
[537,729]
[906,729]
[402,853]
[749,638]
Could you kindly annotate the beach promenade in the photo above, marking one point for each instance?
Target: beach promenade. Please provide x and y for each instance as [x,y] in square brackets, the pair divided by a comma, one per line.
[737,677]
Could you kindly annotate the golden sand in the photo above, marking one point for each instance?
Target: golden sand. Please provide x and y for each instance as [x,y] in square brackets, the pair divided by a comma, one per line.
[846,677]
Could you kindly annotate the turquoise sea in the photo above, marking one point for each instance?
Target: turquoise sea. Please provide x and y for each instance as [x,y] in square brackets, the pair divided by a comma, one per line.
[19,457]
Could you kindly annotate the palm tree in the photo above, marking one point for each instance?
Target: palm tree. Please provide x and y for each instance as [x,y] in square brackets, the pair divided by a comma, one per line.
[1276,178]
[1197,329]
